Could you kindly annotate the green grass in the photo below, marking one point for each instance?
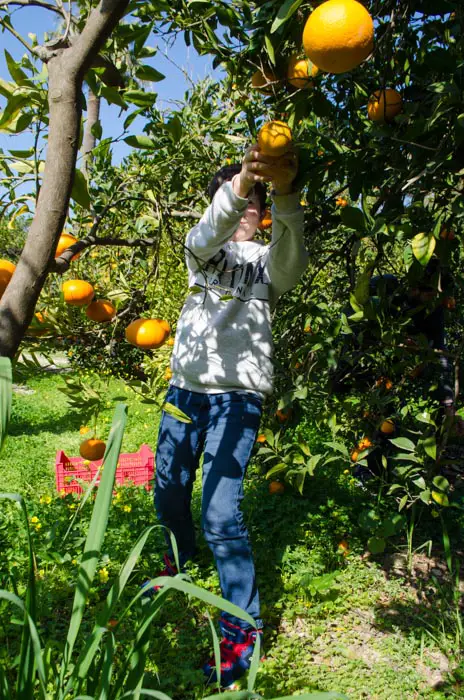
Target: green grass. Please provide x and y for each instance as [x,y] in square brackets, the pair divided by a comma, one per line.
[332,622]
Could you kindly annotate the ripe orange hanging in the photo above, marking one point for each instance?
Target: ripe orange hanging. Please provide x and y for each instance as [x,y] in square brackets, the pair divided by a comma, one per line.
[274,139]
[147,333]
[276,487]
[92,449]
[266,221]
[101,311]
[77,292]
[66,240]
[338,35]
[264,81]
[384,104]
[387,427]
[300,71]
[6,273]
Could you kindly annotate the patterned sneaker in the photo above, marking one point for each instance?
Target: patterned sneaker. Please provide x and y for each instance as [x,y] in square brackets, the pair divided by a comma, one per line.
[236,649]
[170,569]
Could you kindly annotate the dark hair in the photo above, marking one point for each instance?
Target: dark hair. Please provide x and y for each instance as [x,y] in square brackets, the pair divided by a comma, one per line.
[227,173]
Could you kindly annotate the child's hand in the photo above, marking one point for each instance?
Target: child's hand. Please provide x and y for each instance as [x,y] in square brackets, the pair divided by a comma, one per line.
[254,167]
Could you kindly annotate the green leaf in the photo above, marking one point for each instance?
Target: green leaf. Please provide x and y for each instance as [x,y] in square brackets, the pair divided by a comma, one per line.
[423,245]
[113,96]
[175,412]
[361,291]
[140,141]
[353,217]
[430,446]
[403,502]
[5,397]
[80,192]
[441,483]
[286,10]
[403,444]
[376,545]
[18,75]
[96,533]
[97,129]
[312,464]
[140,97]
[145,72]
[425,496]
[269,49]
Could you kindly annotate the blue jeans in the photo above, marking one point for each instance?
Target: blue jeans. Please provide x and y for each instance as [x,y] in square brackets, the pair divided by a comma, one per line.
[223,428]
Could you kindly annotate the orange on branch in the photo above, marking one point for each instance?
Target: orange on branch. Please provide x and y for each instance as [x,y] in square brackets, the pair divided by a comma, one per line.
[354,455]
[449,303]
[65,241]
[101,311]
[387,427]
[147,333]
[364,444]
[274,139]
[261,438]
[300,71]
[92,449]
[77,292]
[338,35]
[341,202]
[284,414]
[263,80]
[266,221]
[447,234]
[6,273]
[276,487]
[384,104]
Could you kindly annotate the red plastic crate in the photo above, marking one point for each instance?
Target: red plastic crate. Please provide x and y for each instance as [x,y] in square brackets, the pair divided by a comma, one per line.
[134,467]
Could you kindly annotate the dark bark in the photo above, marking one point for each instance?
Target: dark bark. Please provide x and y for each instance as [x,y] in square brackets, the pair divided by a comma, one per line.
[67,68]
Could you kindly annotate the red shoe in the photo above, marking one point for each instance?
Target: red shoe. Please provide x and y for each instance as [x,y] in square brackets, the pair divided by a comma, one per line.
[169,570]
[236,648]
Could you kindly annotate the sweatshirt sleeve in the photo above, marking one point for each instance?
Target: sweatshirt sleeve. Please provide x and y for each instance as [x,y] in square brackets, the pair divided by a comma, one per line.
[216,227]
[288,257]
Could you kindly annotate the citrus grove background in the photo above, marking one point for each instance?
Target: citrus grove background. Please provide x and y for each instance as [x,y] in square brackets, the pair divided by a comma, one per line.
[361,586]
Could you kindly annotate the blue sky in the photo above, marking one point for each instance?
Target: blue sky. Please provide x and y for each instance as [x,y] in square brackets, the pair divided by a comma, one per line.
[38,21]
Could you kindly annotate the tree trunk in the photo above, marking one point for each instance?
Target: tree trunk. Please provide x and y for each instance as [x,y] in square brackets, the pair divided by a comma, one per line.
[90,140]
[66,69]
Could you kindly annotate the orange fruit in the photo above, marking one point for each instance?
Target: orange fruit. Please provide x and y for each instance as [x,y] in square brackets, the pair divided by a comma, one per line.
[261,438]
[364,444]
[341,202]
[77,292]
[284,415]
[6,273]
[385,383]
[387,427]
[170,341]
[308,329]
[300,71]
[338,35]
[101,310]
[449,303]
[167,374]
[266,221]
[354,456]
[34,328]
[384,104]
[65,240]
[274,139]
[447,234]
[343,548]
[276,487]
[263,80]
[92,449]
[147,333]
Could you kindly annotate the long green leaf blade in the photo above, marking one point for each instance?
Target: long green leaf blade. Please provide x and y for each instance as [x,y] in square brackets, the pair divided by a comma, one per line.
[6,381]
[96,533]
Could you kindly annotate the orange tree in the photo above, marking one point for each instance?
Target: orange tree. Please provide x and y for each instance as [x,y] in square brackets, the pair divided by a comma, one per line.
[382,158]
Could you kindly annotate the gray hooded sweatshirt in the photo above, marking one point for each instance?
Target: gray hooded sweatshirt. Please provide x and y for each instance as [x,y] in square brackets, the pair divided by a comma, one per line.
[223,338]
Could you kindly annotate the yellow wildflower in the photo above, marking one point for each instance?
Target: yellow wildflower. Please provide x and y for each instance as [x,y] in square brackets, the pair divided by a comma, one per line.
[84,429]
[46,499]
[103,575]
[38,526]
[34,519]
[127,509]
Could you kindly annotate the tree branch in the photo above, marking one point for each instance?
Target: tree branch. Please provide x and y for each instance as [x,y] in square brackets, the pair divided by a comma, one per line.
[31,3]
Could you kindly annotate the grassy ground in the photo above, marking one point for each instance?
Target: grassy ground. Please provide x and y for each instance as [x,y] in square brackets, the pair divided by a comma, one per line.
[333,622]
